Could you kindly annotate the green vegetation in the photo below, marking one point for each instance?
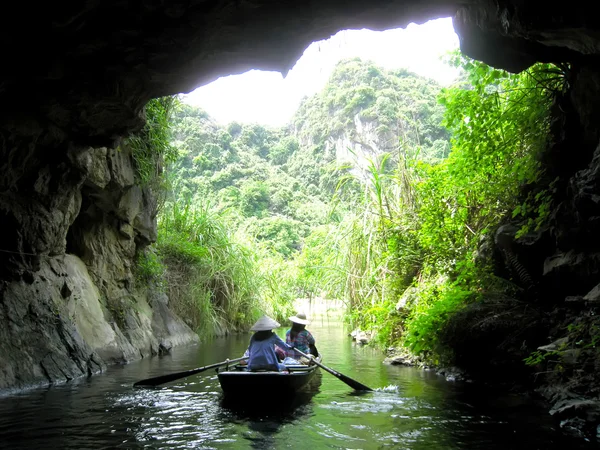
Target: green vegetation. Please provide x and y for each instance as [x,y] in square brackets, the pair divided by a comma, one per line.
[428,238]
[379,193]
[151,147]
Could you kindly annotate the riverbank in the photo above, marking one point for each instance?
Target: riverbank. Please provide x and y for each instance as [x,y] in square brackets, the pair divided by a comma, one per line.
[569,394]
[574,412]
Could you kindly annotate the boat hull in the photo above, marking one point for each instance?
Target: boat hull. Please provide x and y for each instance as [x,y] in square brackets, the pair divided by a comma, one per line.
[237,380]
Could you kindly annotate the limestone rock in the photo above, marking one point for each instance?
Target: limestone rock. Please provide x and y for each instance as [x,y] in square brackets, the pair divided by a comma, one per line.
[408,298]
[51,337]
[589,409]
[554,346]
[362,337]
[120,166]
[400,360]
[99,173]
[593,295]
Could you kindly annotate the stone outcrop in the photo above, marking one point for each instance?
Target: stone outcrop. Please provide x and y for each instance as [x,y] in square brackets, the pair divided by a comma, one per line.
[362,337]
[70,305]
[58,326]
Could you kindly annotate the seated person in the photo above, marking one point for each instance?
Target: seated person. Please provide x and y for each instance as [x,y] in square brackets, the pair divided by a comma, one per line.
[261,350]
[298,336]
[281,355]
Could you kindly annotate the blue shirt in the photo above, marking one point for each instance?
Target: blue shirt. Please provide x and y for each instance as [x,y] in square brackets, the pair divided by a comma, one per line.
[262,353]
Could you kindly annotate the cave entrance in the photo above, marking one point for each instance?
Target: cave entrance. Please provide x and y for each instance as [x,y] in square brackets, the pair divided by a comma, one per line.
[264,155]
[268,145]
[317,178]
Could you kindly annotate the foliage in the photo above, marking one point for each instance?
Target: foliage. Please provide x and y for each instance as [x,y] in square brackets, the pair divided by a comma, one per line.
[151,147]
[511,112]
[436,302]
[423,219]
[275,186]
[371,110]
[149,268]
[538,357]
[279,234]
[581,340]
[376,190]
[254,199]
[210,277]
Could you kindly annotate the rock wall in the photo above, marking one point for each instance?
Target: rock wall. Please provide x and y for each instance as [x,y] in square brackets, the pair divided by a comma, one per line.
[567,264]
[361,144]
[69,304]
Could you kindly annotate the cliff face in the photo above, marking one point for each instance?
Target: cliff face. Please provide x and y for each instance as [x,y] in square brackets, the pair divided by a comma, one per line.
[70,304]
[364,111]
[79,75]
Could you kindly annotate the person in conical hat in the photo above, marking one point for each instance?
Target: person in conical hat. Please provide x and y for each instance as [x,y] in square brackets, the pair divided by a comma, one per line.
[298,336]
[265,323]
[261,350]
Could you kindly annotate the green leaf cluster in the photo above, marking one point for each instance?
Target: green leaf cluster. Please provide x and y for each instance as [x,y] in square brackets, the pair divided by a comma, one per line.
[151,147]
[384,184]
[422,219]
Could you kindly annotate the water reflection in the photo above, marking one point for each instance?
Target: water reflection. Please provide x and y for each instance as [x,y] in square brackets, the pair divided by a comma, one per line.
[410,409]
[264,420]
[269,404]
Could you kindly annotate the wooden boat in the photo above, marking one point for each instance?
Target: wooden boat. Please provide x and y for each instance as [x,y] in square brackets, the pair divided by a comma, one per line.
[239,380]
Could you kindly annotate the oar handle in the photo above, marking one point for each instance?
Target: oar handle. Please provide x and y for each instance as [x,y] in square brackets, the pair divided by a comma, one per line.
[155,381]
[302,353]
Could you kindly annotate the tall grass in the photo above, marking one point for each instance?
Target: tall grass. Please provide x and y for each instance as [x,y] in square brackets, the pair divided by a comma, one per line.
[217,280]
[382,255]
[211,279]
[372,254]
[419,224]
[151,147]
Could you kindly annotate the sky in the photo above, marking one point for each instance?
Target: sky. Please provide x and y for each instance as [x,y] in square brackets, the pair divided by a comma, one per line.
[270,99]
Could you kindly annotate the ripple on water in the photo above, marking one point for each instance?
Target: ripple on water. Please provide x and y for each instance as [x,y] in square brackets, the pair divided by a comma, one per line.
[378,402]
[390,388]
[329,432]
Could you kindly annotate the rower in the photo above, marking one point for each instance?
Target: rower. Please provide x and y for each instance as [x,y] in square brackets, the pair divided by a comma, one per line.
[261,350]
[298,336]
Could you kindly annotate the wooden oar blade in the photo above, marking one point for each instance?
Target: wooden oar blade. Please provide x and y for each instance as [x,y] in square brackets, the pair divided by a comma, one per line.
[349,381]
[353,383]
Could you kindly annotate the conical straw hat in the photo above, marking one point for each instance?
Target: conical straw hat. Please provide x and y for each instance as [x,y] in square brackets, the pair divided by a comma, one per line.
[300,318]
[265,323]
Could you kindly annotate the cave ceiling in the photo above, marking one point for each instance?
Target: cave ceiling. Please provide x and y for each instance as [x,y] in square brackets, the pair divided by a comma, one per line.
[87,68]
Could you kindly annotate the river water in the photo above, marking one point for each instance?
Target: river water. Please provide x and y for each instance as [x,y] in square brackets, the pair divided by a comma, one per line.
[410,409]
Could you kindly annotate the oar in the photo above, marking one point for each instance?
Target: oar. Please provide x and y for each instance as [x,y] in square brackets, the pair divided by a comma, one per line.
[153,382]
[349,381]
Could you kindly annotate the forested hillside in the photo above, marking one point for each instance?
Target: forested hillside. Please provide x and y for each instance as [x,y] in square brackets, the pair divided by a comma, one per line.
[383,192]
[255,217]
[281,181]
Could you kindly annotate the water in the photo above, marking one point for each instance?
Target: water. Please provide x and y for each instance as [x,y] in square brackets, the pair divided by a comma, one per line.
[410,409]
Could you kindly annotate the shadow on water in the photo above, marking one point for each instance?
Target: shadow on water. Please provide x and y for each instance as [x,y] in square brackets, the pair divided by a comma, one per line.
[260,405]
[264,414]
[268,405]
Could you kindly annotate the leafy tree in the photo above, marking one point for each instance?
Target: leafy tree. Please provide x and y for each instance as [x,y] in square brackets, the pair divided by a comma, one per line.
[254,199]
